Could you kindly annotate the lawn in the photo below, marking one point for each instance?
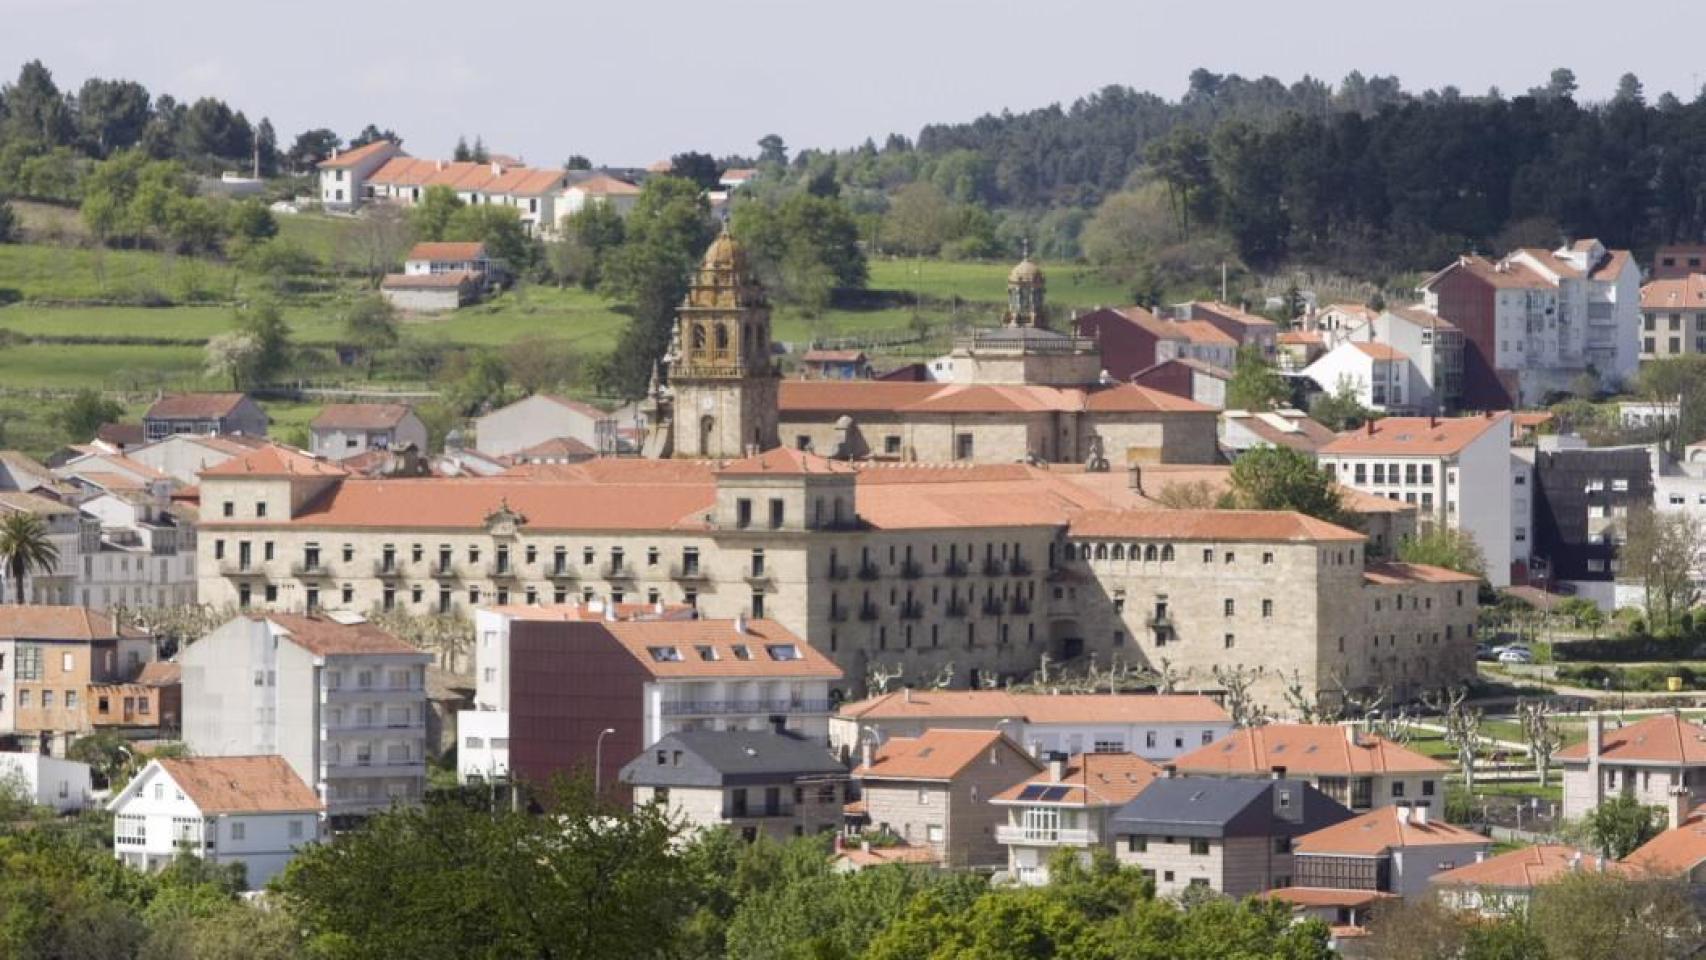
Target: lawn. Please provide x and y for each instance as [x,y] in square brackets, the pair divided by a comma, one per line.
[320,235]
[101,366]
[1574,731]
[32,271]
[1069,285]
[308,324]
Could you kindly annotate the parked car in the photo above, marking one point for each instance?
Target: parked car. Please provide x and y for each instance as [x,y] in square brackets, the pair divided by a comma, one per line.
[1516,655]
[1486,652]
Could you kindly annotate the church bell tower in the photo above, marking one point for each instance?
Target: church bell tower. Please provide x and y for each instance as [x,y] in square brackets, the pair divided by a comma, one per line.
[723,378]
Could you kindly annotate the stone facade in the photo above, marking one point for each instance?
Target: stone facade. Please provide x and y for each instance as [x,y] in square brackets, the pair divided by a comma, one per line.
[799,810]
[1235,866]
[952,816]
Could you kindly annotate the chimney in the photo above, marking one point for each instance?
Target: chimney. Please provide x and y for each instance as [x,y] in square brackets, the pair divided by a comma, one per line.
[1351,736]
[1134,476]
[497,168]
[1276,773]
[906,694]
[1368,426]
[1056,768]
[865,755]
[1169,771]
[740,624]
[1596,735]
[779,725]
[438,165]
[1421,814]
[1678,804]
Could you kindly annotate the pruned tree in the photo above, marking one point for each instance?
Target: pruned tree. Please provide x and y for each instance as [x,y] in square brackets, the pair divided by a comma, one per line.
[878,677]
[1236,682]
[1462,728]
[1541,732]
[377,244]
[1303,705]
[1662,551]
[944,677]
[448,637]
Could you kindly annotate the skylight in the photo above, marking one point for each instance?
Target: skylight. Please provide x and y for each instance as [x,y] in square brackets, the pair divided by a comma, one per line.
[665,654]
[707,652]
[742,651]
[783,651]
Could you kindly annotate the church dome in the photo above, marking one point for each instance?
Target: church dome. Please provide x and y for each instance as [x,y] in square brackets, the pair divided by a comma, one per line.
[1026,271]
[725,254]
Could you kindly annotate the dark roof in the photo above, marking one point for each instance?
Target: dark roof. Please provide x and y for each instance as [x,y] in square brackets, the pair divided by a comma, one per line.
[195,406]
[121,434]
[1214,807]
[716,758]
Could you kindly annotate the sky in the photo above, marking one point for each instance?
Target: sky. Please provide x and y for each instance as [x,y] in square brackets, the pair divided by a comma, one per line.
[629,83]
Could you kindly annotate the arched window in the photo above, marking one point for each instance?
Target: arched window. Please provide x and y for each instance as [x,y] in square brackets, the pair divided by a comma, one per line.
[722,338]
[1149,552]
[1101,551]
[1167,552]
[1119,551]
[698,336]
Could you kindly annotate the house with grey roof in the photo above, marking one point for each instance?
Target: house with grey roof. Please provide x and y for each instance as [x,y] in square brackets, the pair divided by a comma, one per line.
[751,781]
[1232,836]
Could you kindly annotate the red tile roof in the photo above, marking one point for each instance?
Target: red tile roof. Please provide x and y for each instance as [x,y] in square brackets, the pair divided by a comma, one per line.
[1204,333]
[349,158]
[1664,738]
[1526,868]
[1305,749]
[1380,351]
[360,416]
[1383,829]
[1326,897]
[784,461]
[765,648]
[1505,275]
[1091,780]
[1395,573]
[194,406]
[1236,315]
[1037,707]
[241,784]
[160,673]
[904,853]
[273,461]
[1215,525]
[556,447]
[442,252]
[325,637]
[1415,436]
[35,622]
[1680,293]
[1677,851]
[937,755]
[602,185]
[889,396]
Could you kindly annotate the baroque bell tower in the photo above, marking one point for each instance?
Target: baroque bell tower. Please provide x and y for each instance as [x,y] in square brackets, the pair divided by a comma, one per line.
[723,378]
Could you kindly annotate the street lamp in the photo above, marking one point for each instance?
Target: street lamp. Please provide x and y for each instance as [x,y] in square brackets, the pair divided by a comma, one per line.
[598,761]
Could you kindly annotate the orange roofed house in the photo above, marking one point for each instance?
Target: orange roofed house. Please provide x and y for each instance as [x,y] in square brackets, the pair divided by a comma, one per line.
[1069,805]
[934,791]
[442,276]
[59,666]
[381,172]
[1501,885]
[1392,850]
[204,414]
[1660,761]
[1360,770]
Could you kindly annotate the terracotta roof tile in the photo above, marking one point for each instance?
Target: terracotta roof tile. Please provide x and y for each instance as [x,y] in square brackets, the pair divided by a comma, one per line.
[274,460]
[556,447]
[855,396]
[1326,897]
[1526,868]
[936,755]
[349,158]
[427,281]
[604,186]
[1307,750]
[1091,780]
[1394,573]
[1379,351]
[186,406]
[159,673]
[453,252]
[1216,525]
[1679,293]
[1418,316]
[673,648]
[1203,333]
[1676,852]
[1664,738]
[264,784]
[1135,398]
[325,637]
[360,416]
[1383,829]
[784,461]
[1038,708]
[1415,436]
[60,623]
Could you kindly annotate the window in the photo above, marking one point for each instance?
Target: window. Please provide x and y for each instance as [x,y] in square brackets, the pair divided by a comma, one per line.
[1199,847]
[1230,640]
[238,829]
[743,513]
[1397,789]
[1267,609]
[296,829]
[260,508]
[1137,844]
[1230,606]
[1208,556]
[891,444]
[778,512]
[228,508]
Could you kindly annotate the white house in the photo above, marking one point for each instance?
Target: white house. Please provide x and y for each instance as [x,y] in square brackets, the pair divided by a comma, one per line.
[533,420]
[1434,348]
[344,175]
[249,810]
[1155,727]
[1377,375]
[598,188]
[1449,467]
[46,781]
[344,703]
[344,430]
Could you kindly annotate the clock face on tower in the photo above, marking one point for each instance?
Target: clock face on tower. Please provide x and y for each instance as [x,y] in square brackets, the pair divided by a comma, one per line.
[707,404]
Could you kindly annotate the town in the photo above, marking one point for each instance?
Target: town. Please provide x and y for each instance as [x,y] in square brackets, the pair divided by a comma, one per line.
[804,555]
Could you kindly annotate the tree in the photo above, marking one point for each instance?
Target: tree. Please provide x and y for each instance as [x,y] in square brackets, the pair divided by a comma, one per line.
[111,114]
[106,753]
[1662,551]
[1441,546]
[1340,410]
[252,221]
[372,134]
[25,548]
[8,222]
[582,882]
[577,161]
[379,239]
[540,364]
[1196,495]
[1619,825]
[1462,729]
[460,153]
[1238,698]
[772,151]
[1280,478]
[668,229]
[371,325]
[919,221]
[585,244]
[309,148]
[1590,915]
[230,356]
[1541,732]
[431,217]
[1255,386]
[699,168]
[498,227]
[87,412]
[35,110]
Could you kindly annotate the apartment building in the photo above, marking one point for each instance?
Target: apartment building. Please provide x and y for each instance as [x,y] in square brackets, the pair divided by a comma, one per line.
[1068,806]
[1132,339]
[1378,375]
[1153,727]
[340,700]
[249,810]
[752,782]
[1449,468]
[1582,498]
[1673,317]
[51,660]
[72,536]
[60,785]
[1233,837]
[1359,770]
[381,171]
[934,791]
[1536,320]
[1247,329]
[1653,760]
[1401,360]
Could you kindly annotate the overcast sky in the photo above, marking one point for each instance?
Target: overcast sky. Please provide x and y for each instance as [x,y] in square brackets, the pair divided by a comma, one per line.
[631,82]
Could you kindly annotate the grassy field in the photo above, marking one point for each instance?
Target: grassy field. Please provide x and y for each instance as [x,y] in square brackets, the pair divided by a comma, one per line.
[100,366]
[32,271]
[1068,285]
[320,235]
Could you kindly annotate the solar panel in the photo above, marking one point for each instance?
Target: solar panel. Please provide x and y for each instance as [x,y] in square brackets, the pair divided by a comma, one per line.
[1055,793]
[1031,792]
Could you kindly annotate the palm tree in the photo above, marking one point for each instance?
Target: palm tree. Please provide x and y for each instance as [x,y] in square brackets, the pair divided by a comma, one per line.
[24,547]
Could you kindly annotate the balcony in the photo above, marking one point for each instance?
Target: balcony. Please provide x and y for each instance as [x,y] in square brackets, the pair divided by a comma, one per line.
[1031,836]
[760,578]
[1019,567]
[911,570]
[868,612]
[705,708]
[310,569]
[1159,621]
[957,607]
[501,570]
[1021,605]
[616,570]
[230,567]
[387,570]
[954,568]
[911,610]
[868,571]
[688,572]
[758,812]
[836,571]
[561,571]
[993,606]
[993,567]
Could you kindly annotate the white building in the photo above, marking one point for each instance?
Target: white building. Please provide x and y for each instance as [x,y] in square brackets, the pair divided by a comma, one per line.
[620,195]
[46,781]
[1434,348]
[249,810]
[533,420]
[702,675]
[344,703]
[344,175]
[1450,468]
[1154,727]
[344,430]
[1378,375]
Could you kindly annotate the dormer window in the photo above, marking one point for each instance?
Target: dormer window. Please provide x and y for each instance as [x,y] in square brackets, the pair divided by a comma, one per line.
[707,652]
[665,654]
[742,651]
[783,651]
